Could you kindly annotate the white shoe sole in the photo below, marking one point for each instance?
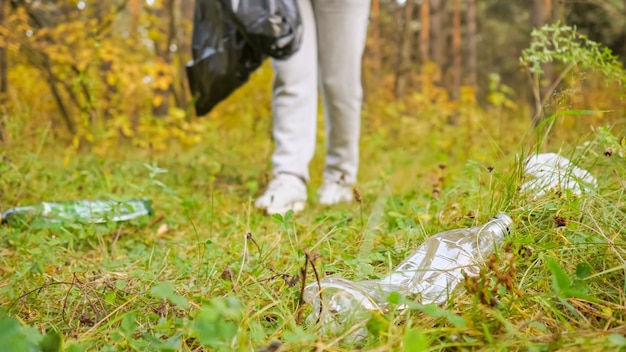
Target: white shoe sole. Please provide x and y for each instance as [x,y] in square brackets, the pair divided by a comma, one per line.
[295,206]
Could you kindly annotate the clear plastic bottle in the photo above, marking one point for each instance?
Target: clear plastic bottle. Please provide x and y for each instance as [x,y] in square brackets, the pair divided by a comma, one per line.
[80,211]
[430,274]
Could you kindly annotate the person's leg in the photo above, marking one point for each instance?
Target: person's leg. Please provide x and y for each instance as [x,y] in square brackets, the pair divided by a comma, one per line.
[294,102]
[294,107]
[341,33]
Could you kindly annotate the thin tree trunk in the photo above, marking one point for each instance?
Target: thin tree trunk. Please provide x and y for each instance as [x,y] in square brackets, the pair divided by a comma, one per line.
[183,43]
[438,47]
[370,76]
[541,15]
[472,61]
[404,60]
[456,49]
[397,11]
[3,77]
[178,87]
[135,9]
[425,42]
[375,49]
[52,82]
[3,59]
[165,15]
[107,105]
[425,31]
[172,43]
[186,23]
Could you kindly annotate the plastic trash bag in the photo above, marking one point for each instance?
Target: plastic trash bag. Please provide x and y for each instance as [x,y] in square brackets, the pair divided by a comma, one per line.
[222,59]
[232,38]
[273,26]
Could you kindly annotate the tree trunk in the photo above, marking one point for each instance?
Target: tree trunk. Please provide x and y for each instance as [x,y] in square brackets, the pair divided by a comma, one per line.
[438,47]
[52,82]
[135,9]
[456,50]
[177,88]
[472,61]
[183,42]
[163,79]
[404,59]
[3,77]
[375,49]
[3,60]
[541,12]
[425,31]
[186,19]
[541,15]
[108,107]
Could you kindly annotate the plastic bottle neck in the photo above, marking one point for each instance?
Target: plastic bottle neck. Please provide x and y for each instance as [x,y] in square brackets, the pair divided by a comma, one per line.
[501,223]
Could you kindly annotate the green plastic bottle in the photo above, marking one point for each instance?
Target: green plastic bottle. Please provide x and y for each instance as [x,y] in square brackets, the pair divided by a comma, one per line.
[81,211]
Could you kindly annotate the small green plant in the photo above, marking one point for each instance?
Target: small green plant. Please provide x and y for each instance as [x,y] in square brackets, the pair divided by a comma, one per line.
[19,338]
[557,43]
[217,323]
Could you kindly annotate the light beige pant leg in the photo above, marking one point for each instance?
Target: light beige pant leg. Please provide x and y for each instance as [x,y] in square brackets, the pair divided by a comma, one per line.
[294,102]
[331,54]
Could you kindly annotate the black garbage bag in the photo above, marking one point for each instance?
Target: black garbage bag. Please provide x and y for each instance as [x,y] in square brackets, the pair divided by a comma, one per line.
[222,59]
[272,26]
[228,44]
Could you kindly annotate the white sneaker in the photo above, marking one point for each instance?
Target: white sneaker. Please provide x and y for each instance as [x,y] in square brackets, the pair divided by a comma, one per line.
[333,192]
[285,192]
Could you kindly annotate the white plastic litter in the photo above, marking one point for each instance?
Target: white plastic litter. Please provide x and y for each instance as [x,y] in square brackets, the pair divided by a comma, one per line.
[551,171]
[435,269]
[429,275]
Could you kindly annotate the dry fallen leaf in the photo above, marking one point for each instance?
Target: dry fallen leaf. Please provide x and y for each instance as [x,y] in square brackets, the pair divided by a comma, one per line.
[162,229]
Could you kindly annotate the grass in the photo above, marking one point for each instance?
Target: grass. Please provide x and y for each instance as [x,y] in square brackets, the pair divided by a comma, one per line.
[209,272]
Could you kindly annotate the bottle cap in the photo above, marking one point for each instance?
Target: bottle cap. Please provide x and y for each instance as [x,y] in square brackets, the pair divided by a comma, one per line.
[504,220]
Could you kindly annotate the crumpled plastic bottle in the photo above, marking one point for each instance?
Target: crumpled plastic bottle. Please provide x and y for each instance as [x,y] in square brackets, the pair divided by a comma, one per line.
[80,211]
[430,275]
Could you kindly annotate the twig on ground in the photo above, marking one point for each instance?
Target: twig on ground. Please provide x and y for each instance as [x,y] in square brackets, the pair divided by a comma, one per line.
[40,288]
[251,239]
[67,294]
[303,279]
[311,260]
[117,237]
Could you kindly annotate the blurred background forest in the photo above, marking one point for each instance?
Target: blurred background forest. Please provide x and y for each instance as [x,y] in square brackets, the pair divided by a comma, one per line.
[102,72]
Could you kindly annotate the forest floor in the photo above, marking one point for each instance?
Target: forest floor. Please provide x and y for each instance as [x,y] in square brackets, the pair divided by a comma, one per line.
[210,272]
